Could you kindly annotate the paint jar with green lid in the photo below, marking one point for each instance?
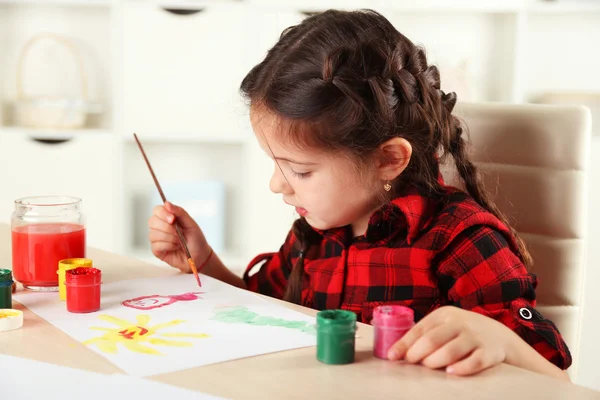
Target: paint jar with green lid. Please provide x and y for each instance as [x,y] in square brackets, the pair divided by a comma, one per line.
[336,330]
[6,288]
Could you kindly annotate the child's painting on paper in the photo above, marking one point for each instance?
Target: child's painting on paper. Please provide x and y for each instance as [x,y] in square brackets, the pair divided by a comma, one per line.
[154,326]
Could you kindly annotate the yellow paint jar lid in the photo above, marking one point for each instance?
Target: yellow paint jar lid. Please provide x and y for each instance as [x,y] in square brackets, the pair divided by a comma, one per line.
[10,319]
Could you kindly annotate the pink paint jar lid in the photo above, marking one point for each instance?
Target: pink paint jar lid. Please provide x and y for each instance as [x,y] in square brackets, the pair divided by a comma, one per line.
[393,317]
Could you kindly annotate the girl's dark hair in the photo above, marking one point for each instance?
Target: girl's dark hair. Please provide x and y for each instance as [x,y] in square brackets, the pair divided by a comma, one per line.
[348,82]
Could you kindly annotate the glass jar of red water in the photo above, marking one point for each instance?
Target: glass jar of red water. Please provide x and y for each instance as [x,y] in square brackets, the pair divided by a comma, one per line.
[45,230]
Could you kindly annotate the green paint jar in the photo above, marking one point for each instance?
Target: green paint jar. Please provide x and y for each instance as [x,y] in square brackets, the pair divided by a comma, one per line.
[6,288]
[336,330]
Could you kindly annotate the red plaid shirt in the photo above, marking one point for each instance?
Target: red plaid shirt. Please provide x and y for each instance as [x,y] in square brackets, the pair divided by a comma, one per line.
[423,254]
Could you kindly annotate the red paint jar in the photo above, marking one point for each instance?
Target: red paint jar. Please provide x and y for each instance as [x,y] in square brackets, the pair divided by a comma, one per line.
[83,289]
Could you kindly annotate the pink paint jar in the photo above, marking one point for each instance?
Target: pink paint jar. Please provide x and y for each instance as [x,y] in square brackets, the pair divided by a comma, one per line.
[390,323]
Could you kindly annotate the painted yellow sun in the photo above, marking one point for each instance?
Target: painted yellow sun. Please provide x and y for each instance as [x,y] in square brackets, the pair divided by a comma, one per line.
[132,335]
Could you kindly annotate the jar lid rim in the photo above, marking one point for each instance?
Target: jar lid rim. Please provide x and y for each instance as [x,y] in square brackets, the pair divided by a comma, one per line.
[336,317]
[5,274]
[83,272]
[50,200]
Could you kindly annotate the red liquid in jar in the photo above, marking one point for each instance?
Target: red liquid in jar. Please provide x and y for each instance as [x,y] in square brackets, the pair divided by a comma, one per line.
[37,249]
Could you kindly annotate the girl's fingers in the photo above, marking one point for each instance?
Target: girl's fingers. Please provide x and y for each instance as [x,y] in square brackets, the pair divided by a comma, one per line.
[452,352]
[159,249]
[399,349]
[161,213]
[183,218]
[157,224]
[474,363]
[160,236]
[431,341]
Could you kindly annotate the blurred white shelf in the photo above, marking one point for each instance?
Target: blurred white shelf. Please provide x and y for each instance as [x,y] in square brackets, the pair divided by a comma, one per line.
[429,6]
[79,3]
[187,4]
[49,134]
[314,5]
[425,6]
[444,6]
[563,7]
[167,138]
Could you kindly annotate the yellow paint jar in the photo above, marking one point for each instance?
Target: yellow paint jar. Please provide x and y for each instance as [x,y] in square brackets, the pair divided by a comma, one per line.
[63,266]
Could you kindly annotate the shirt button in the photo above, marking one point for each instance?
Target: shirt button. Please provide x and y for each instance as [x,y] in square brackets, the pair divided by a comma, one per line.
[525,313]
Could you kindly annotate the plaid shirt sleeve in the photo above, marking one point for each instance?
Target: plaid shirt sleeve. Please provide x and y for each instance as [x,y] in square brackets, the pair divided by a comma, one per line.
[271,279]
[479,272]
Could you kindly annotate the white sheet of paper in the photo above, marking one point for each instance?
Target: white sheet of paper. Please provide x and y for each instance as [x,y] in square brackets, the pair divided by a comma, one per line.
[255,326]
[53,381]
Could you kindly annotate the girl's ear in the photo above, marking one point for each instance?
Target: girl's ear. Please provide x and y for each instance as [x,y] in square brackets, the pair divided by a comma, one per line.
[394,156]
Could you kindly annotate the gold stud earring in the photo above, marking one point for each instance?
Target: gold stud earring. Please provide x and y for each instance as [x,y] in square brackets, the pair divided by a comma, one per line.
[387,186]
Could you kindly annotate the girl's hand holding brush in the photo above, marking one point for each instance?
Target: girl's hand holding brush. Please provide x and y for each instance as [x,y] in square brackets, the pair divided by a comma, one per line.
[167,247]
[165,243]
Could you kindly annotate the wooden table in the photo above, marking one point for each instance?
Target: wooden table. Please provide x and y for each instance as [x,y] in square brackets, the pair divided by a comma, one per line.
[294,374]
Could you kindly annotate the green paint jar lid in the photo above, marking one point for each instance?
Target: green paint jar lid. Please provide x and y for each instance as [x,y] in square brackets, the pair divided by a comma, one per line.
[336,320]
[6,275]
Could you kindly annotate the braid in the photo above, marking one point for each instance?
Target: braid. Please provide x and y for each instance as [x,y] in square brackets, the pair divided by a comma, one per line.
[475,187]
[305,236]
[405,85]
[418,88]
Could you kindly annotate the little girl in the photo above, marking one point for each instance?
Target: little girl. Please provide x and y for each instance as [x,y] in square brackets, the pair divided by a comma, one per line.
[356,124]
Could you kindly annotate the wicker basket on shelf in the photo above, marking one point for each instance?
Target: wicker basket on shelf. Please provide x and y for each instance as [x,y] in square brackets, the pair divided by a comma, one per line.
[52,112]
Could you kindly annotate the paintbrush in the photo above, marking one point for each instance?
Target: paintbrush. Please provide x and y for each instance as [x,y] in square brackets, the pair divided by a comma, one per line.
[177,227]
